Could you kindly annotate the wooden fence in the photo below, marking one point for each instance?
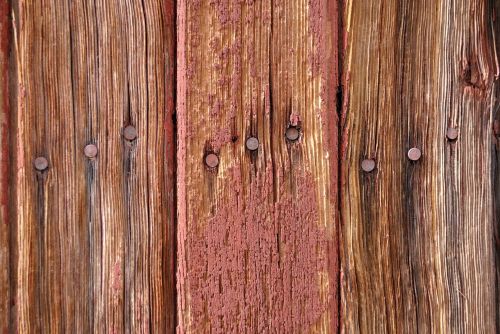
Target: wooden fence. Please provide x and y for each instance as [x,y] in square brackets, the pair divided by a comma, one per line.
[249,166]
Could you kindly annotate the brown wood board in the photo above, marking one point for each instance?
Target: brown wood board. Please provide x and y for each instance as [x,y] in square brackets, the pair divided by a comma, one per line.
[418,252]
[93,238]
[257,233]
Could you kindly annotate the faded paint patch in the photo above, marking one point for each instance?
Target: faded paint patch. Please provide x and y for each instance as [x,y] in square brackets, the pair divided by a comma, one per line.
[253,264]
[257,245]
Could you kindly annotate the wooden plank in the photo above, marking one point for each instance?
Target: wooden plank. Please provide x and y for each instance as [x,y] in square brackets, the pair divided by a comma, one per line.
[94,240]
[257,235]
[5,168]
[417,237]
[496,156]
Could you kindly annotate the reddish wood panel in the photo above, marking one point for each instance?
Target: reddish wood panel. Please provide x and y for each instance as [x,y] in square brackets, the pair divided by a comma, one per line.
[495,20]
[418,251]
[257,234]
[5,168]
[89,243]
[94,238]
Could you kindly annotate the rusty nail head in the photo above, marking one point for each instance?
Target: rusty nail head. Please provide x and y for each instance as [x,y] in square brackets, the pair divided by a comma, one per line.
[130,133]
[452,133]
[212,160]
[252,143]
[414,154]
[41,163]
[368,165]
[292,133]
[90,151]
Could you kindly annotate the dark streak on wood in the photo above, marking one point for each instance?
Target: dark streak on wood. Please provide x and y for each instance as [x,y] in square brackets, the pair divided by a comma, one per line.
[495,22]
[417,236]
[94,245]
[89,245]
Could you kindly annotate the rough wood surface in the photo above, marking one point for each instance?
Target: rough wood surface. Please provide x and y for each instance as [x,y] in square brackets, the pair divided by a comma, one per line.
[496,156]
[93,240]
[5,168]
[257,244]
[88,245]
[418,252]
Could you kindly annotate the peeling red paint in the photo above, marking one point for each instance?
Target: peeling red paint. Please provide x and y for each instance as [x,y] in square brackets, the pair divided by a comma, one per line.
[294,119]
[254,257]
[220,138]
[330,74]
[252,263]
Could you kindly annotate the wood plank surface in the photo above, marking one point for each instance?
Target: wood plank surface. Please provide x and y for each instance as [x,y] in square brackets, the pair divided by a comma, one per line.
[5,168]
[257,234]
[496,156]
[93,240]
[292,237]
[418,249]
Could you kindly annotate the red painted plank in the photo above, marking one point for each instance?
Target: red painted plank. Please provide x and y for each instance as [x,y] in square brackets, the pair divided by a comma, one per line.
[257,232]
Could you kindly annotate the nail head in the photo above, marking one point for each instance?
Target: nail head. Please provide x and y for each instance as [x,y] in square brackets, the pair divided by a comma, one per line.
[41,163]
[414,154]
[212,160]
[368,165]
[452,133]
[292,133]
[90,151]
[130,133]
[252,143]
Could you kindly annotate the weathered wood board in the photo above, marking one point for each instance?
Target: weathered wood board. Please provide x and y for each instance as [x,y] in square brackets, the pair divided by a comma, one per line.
[5,172]
[257,234]
[496,154]
[291,237]
[418,248]
[92,239]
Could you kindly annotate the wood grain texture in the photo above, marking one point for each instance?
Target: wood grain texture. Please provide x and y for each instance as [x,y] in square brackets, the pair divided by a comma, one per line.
[418,237]
[94,238]
[257,244]
[496,155]
[5,168]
